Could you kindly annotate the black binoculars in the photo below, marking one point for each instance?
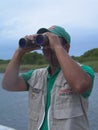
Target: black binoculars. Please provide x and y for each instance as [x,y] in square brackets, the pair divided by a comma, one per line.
[40,40]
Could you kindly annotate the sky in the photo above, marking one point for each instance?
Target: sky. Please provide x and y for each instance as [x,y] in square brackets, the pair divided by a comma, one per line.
[19,18]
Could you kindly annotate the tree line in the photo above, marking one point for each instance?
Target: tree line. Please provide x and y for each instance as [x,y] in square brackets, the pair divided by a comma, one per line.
[90,55]
[38,58]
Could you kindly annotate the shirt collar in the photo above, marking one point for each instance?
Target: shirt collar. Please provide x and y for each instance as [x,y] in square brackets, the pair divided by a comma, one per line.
[56,71]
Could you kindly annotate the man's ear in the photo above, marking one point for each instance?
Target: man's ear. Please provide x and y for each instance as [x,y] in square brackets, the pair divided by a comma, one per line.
[67,47]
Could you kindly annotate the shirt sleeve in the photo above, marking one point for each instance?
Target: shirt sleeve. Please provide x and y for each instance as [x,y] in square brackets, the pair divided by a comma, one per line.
[91,73]
[26,76]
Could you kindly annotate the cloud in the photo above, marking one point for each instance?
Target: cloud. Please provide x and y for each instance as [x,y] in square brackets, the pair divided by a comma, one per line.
[44,12]
[19,18]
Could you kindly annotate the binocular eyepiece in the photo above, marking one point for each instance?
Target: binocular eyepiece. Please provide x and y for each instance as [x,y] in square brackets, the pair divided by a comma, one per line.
[40,40]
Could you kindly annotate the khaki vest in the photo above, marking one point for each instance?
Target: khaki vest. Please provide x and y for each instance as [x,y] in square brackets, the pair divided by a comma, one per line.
[67,110]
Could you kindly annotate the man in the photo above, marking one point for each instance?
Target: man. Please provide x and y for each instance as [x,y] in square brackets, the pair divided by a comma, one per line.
[58,94]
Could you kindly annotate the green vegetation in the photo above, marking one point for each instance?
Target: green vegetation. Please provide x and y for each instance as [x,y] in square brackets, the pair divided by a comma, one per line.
[89,58]
[35,60]
[30,61]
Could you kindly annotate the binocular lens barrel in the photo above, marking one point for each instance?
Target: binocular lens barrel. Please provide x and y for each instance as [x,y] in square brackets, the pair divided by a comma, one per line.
[40,40]
[23,42]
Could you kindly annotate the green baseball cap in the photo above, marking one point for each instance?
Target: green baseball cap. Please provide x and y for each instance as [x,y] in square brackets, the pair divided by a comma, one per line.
[57,30]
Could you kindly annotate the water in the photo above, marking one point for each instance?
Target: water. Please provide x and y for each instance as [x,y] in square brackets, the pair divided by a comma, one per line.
[14,108]
[93,106]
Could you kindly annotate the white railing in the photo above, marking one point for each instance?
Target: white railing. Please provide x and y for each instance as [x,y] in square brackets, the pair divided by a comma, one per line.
[2,127]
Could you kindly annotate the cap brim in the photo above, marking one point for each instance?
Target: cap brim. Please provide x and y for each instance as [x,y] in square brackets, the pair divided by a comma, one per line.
[42,30]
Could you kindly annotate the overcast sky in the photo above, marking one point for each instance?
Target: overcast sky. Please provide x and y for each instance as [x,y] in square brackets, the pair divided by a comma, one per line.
[23,17]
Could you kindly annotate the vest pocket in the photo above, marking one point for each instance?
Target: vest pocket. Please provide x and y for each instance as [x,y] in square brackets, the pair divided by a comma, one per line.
[66,114]
[66,103]
[67,106]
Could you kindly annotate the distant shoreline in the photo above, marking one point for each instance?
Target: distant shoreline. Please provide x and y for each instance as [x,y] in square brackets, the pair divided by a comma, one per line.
[24,68]
[35,60]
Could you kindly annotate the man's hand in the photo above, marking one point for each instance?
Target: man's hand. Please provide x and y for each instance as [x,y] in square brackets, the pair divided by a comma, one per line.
[54,40]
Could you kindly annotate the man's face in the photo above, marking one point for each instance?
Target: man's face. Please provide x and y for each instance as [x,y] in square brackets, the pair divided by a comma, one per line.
[49,55]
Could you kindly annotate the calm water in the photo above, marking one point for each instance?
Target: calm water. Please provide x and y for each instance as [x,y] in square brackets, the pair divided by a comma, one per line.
[14,107]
